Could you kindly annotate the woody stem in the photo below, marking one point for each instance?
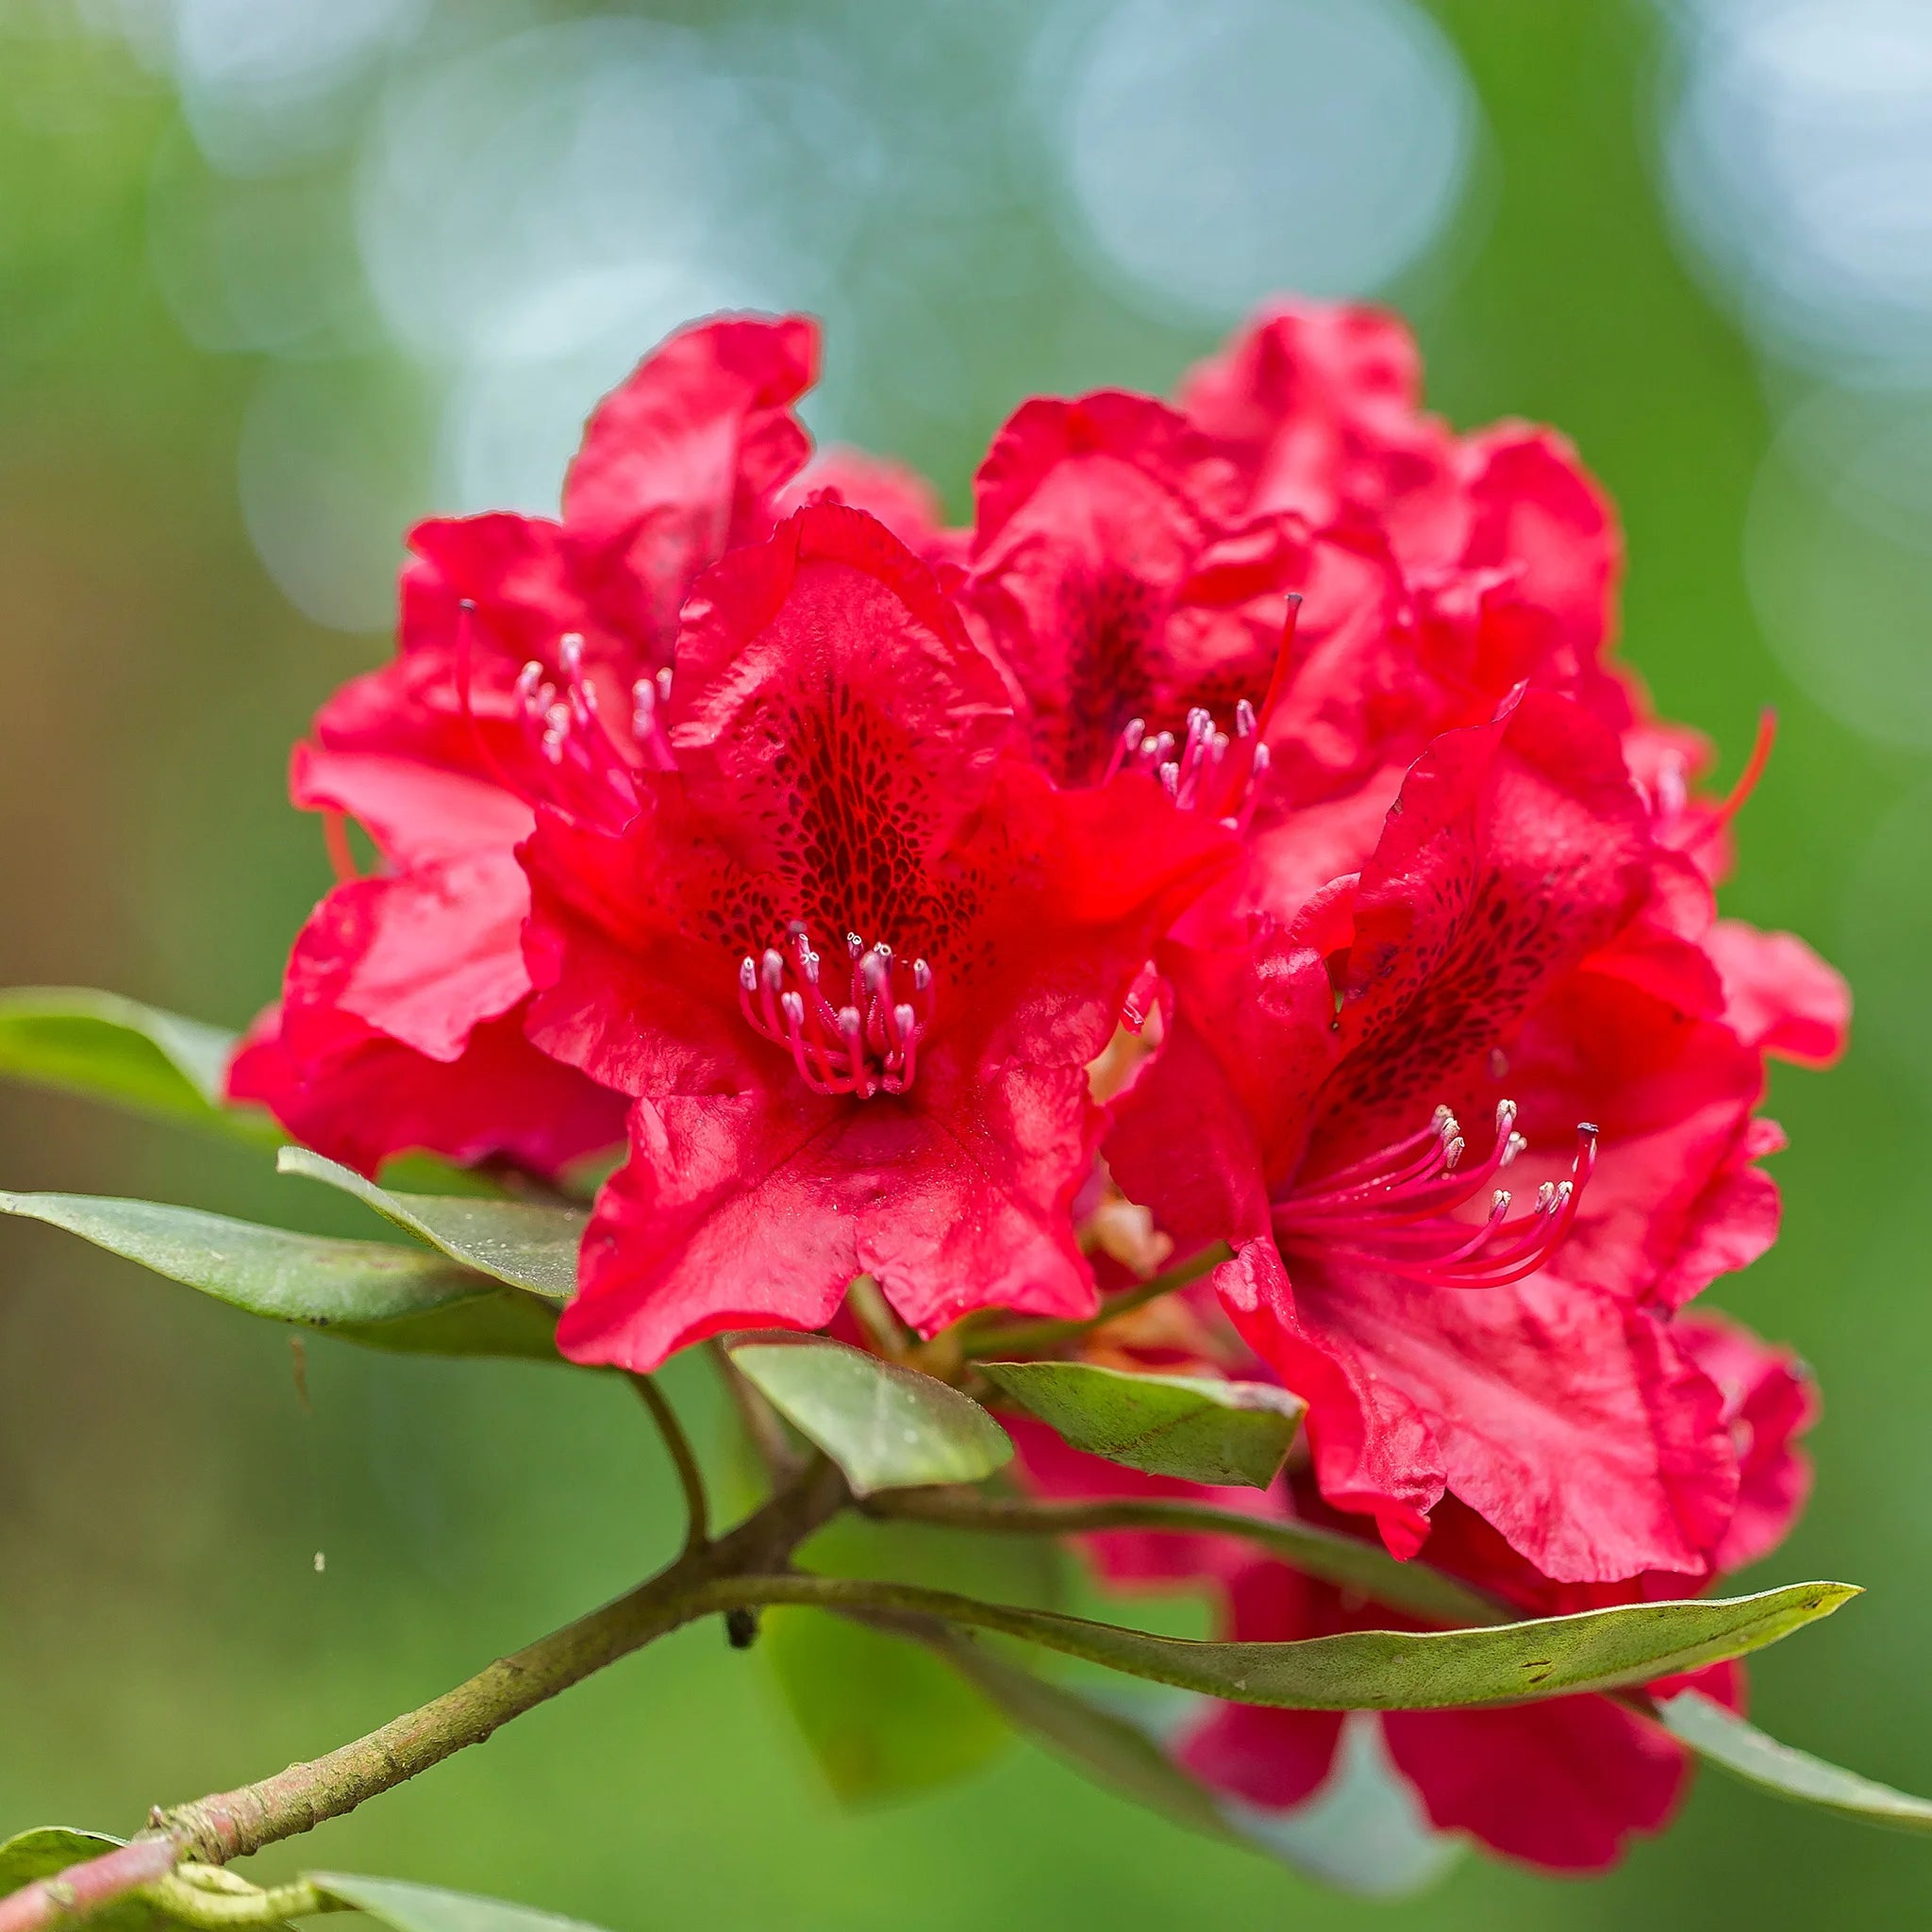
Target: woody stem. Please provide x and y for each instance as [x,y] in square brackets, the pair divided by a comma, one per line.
[231,1824]
[684,1460]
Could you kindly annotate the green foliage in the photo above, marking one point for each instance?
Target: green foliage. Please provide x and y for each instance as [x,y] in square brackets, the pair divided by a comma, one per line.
[1390,1670]
[1095,1741]
[98,1045]
[1200,1430]
[887,1427]
[49,1849]
[1363,1832]
[406,1907]
[522,1243]
[1743,1749]
[376,1292]
[885,1719]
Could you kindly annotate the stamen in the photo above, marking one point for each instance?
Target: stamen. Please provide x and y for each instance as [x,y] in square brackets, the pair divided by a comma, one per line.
[866,1044]
[1204,770]
[1396,1211]
[592,772]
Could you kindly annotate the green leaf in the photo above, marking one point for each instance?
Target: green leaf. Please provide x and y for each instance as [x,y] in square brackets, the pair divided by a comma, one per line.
[1364,1831]
[523,1243]
[1108,1748]
[882,1717]
[1743,1749]
[49,1849]
[1384,1669]
[406,1907]
[104,1047]
[376,1292]
[1199,1429]
[886,1427]
[46,1850]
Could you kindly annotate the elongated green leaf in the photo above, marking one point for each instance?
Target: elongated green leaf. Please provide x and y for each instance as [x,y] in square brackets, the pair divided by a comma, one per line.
[519,1242]
[374,1293]
[886,1427]
[1196,1428]
[109,1048]
[406,1907]
[1384,1669]
[1096,1742]
[1364,1831]
[1743,1749]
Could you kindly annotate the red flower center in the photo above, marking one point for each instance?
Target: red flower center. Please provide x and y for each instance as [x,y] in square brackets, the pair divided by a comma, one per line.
[866,1043]
[1396,1209]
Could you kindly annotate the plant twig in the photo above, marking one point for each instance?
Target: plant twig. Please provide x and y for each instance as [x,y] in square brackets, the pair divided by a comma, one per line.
[1032,1336]
[231,1824]
[684,1460]
[1344,1561]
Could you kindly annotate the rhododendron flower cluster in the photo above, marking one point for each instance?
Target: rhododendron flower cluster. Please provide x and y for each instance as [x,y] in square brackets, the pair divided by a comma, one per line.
[1239,833]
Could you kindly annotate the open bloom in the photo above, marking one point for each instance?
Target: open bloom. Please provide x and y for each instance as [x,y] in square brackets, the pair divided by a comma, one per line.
[1278,592]
[851,954]
[1476,1121]
[535,658]
[1562,1784]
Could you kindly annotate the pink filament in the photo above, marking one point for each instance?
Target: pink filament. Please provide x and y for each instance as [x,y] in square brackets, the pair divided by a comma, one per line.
[1396,1210]
[1207,769]
[866,1044]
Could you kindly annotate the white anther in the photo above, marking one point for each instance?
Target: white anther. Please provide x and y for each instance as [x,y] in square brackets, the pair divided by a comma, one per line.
[1545,1195]
[922,976]
[792,1007]
[1170,779]
[664,685]
[1499,1202]
[1514,1145]
[1131,738]
[748,973]
[1451,1153]
[854,944]
[905,1020]
[570,652]
[774,965]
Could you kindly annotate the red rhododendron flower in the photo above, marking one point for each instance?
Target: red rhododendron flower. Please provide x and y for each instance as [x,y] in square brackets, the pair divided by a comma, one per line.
[1561,1784]
[852,955]
[1498,962]
[534,653]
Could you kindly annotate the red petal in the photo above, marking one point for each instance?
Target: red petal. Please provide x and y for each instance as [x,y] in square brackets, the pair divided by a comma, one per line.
[1563,1784]
[682,459]
[358,1097]
[1784,999]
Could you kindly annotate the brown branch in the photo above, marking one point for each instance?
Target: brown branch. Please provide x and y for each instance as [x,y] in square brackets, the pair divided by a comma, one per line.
[684,1460]
[231,1824]
[1344,1561]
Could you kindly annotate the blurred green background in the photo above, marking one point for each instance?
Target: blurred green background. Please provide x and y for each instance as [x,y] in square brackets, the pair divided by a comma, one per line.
[278,275]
